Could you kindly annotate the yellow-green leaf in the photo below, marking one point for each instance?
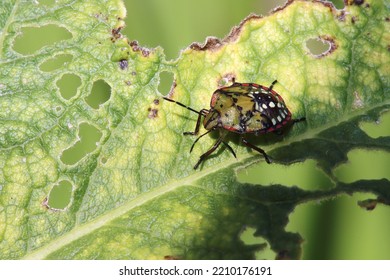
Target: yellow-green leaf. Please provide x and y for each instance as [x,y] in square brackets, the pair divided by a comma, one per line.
[81,117]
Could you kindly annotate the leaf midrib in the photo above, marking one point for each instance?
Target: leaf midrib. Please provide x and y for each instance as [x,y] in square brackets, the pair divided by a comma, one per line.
[85,229]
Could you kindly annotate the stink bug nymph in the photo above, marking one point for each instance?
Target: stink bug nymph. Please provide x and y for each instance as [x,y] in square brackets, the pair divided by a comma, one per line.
[243,109]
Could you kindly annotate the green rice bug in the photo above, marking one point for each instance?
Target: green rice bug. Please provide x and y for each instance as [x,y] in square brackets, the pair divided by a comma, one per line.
[243,108]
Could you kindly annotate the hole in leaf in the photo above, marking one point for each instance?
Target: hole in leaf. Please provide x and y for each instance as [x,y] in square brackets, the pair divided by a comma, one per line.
[335,228]
[307,219]
[306,175]
[149,14]
[339,4]
[364,164]
[166,81]
[68,85]
[60,195]
[100,93]
[35,38]
[318,47]
[248,237]
[381,128]
[56,62]
[89,138]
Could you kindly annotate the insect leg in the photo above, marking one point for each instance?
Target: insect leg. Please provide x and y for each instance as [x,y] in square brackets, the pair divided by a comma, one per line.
[197,139]
[261,151]
[230,148]
[202,112]
[206,154]
[272,85]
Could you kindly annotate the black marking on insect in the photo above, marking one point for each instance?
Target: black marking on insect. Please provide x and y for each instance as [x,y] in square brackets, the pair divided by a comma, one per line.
[243,108]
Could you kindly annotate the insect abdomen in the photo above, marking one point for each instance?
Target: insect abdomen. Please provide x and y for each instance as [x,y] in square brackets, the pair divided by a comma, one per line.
[248,108]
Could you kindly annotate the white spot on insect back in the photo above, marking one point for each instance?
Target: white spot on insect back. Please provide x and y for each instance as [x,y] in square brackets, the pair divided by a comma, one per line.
[279,118]
[264,106]
[273,121]
[283,115]
[271,104]
[279,105]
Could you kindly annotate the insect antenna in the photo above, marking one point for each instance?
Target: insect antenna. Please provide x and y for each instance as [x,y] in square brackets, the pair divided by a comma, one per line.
[182,105]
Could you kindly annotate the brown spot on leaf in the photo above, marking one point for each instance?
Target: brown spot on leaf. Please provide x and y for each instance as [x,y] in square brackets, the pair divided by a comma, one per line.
[137,48]
[172,90]
[123,64]
[332,44]
[236,30]
[281,8]
[45,203]
[212,43]
[226,79]
[116,33]
[153,109]
[153,113]
[341,16]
